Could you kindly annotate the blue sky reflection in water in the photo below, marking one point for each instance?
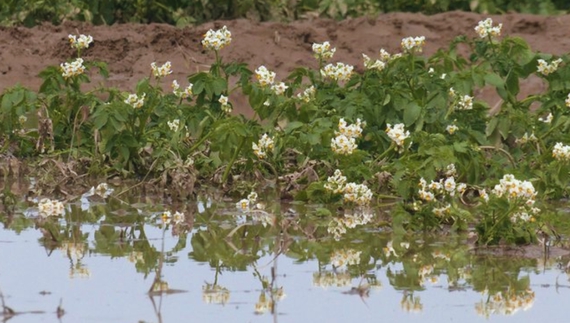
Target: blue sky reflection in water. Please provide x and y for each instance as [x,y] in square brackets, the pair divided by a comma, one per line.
[101,278]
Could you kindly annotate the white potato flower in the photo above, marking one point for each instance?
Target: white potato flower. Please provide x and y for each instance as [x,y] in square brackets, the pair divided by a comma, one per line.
[485,28]
[323,51]
[81,42]
[161,71]
[217,39]
[135,101]
[72,69]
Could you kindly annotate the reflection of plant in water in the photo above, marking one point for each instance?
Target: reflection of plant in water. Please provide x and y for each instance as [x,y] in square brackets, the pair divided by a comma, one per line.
[506,302]
[266,302]
[411,303]
[215,294]
[345,257]
[332,278]
[338,226]
[75,251]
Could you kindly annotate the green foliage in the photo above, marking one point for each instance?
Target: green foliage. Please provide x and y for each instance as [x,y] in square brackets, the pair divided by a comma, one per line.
[407,128]
[183,12]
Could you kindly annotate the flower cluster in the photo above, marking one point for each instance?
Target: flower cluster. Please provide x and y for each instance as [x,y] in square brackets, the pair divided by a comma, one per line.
[567,101]
[226,107]
[507,303]
[174,124]
[485,28]
[515,189]
[386,56]
[398,134]
[279,88]
[561,152]
[72,69]
[350,131]
[135,101]
[264,145]
[446,187]
[358,194]
[80,43]
[413,44]
[336,183]
[544,68]
[323,51]
[264,76]
[47,208]
[307,95]
[343,145]
[338,72]
[187,92]
[373,65]
[217,39]
[345,257]
[161,71]
[345,141]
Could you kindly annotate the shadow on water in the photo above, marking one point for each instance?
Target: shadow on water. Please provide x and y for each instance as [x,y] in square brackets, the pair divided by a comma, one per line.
[285,261]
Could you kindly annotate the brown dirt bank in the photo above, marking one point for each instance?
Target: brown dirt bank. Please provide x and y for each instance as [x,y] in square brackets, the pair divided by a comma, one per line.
[129,49]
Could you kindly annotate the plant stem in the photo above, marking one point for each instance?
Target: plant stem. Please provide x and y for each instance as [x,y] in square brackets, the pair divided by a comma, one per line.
[232,161]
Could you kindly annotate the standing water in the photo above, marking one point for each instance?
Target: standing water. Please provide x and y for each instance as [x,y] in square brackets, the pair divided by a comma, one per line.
[104,259]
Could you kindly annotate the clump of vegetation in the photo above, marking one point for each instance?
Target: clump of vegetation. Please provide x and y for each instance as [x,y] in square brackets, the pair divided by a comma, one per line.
[408,128]
[30,13]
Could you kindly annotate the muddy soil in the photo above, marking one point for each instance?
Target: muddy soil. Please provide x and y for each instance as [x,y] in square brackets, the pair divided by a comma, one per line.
[129,49]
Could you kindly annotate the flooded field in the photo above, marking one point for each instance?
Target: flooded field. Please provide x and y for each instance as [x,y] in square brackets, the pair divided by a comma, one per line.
[133,259]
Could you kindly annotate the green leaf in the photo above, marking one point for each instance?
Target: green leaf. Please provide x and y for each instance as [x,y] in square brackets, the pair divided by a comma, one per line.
[491,126]
[100,121]
[513,84]
[495,80]
[292,126]
[411,114]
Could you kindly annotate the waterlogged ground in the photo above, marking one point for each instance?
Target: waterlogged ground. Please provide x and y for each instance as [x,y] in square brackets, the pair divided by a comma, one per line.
[121,259]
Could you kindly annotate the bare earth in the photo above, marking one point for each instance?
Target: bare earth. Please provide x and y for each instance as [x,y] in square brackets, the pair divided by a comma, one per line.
[129,49]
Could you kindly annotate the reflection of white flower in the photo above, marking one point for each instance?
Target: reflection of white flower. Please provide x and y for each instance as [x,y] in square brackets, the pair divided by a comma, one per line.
[345,257]
[329,278]
[504,303]
[47,208]
[215,294]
